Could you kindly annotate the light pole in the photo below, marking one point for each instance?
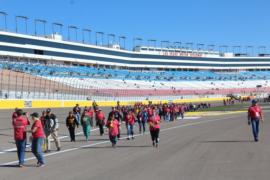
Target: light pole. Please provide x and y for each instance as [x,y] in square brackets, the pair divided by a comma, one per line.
[111,39]
[44,26]
[4,14]
[25,21]
[152,42]
[200,47]
[261,50]
[101,35]
[166,45]
[249,51]
[87,31]
[135,40]
[123,38]
[59,25]
[177,45]
[223,49]
[211,47]
[237,50]
[189,45]
[75,30]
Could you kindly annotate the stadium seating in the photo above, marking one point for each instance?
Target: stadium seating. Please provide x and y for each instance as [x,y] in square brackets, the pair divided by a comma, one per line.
[123,83]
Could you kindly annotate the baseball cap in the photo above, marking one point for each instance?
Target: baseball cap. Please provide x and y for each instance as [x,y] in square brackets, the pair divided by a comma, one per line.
[254,101]
[48,110]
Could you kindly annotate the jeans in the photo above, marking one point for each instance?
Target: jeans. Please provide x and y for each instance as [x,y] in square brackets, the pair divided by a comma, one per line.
[78,117]
[255,128]
[141,125]
[37,149]
[130,130]
[21,145]
[182,115]
[167,117]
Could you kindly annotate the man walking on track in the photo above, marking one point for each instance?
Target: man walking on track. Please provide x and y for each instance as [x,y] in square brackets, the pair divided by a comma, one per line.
[51,126]
[254,117]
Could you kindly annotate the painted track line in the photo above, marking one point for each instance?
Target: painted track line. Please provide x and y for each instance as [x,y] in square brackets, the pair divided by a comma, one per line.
[29,145]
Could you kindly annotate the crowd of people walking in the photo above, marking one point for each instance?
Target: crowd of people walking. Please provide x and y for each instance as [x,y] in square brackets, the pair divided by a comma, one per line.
[45,127]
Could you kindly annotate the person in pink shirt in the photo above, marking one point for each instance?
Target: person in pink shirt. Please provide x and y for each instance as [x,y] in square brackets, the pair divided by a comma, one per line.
[37,139]
[255,116]
[19,123]
[113,125]
[130,121]
[154,127]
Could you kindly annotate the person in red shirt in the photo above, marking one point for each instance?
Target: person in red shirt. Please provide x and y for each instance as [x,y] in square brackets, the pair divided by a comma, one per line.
[130,121]
[100,120]
[37,139]
[113,126]
[254,117]
[154,127]
[20,122]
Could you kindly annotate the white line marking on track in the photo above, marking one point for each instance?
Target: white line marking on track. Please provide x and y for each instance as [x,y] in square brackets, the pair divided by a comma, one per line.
[29,145]
[107,141]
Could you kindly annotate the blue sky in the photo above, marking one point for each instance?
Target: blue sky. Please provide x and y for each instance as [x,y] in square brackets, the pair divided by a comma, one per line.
[230,22]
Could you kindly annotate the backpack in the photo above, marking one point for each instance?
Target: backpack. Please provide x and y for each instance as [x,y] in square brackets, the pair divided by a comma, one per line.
[49,124]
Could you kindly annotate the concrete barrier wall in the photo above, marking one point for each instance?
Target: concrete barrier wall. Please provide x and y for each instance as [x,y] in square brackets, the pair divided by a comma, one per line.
[11,104]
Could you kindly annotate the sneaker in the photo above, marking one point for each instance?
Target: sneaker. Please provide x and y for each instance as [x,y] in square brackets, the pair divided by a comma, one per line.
[20,165]
[40,165]
[47,151]
[133,137]
[154,144]
[58,149]
[128,138]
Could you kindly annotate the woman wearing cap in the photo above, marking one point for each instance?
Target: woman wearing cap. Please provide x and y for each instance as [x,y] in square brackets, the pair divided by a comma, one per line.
[37,139]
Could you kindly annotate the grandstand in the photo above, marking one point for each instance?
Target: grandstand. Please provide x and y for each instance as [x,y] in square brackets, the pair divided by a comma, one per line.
[50,67]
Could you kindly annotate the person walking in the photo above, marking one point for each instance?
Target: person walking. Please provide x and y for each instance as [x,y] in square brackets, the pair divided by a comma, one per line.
[77,113]
[255,115]
[100,120]
[154,127]
[118,117]
[51,127]
[144,120]
[37,139]
[113,126]
[71,124]
[130,121]
[20,122]
[86,124]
